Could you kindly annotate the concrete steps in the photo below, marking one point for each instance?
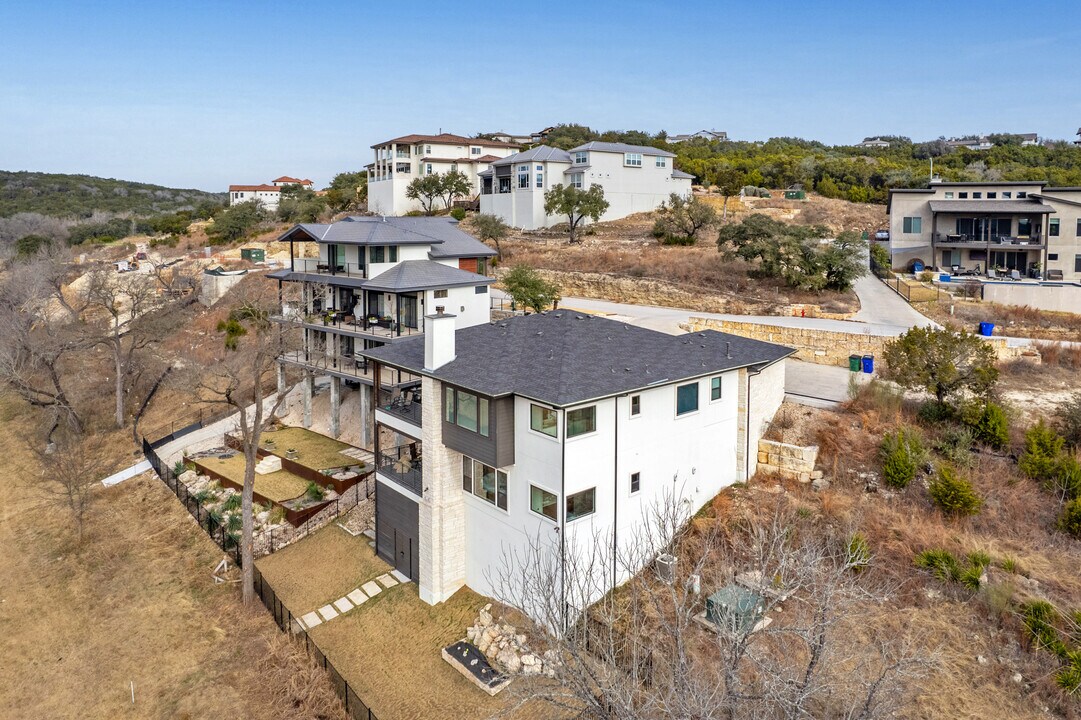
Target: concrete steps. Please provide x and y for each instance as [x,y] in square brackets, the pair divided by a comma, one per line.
[269,464]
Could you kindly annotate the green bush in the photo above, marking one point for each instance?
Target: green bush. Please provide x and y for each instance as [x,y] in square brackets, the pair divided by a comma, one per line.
[954,495]
[458,213]
[1070,519]
[677,240]
[1067,480]
[902,455]
[1042,455]
[858,554]
[991,427]
[955,446]
[232,502]
[1039,617]
[934,412]
[315,492]
[942,564]
[169,241]
[1068,420]
[179,468]
[234,523]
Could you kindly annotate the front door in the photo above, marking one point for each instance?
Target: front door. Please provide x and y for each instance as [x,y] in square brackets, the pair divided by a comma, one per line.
[403,553]
[397,530]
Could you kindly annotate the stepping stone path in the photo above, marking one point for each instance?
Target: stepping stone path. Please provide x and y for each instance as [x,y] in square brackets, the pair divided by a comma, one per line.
[358,454]
[352,599]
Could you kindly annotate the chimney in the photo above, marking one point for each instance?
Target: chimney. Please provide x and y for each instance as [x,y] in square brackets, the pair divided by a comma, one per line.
[438,339]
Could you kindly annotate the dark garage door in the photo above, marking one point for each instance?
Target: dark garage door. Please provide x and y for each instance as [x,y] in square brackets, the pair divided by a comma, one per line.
[396,535]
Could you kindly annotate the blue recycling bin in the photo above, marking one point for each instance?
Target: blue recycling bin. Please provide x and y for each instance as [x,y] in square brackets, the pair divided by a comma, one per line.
[944,277]
[868,364]
[986,329]
[917,266]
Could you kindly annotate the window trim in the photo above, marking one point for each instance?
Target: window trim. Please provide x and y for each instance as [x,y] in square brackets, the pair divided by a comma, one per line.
[914,225]
[567,419]
[635,400]
[632,160]
[719,388]
[1054,227]
[476,478]
[697,403]
[581,157]
[555,505]
[592,511]
[554,435]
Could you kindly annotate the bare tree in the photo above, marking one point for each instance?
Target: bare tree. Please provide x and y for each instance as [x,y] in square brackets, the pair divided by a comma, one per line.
[72,467]
[644,649]
[238,374]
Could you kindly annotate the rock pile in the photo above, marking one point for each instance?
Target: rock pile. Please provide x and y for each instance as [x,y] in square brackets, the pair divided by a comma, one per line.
[506,648]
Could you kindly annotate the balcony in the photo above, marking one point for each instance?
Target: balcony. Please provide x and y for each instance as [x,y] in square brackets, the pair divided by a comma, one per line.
[995,241]
[403,465]
[322,267]
[375,328]
[405,406]
[345,366]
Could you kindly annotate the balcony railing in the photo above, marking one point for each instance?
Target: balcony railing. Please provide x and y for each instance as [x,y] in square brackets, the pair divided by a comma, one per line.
[994,240]
[356,367]
[406,406]
[374,327]
[322,267]
[399,465]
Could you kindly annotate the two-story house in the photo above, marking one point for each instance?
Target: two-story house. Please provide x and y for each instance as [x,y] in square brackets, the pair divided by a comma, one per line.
[557,428]
[399,161]
[988,227]
[635,178]
[372,282]
[268,195]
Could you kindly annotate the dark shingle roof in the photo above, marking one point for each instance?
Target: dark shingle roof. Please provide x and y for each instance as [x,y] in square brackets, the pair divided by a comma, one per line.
[541,153]
[681,174]
[622,148]
[441,233]
[564,357]
[412,275]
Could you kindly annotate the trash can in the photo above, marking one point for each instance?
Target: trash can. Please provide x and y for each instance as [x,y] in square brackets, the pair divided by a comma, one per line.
[868,364]
[944,277]
[854,363]
[986,329]
[917,266]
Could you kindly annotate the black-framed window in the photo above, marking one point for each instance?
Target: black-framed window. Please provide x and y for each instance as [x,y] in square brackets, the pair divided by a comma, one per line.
[1022,195]
[438,294]
[636,482]
[687,398]
[1077,263]
[715,387]
[543,420]
[466,410]
[912,225]
[1051,257]
[485,482]
[377,253]
[962,196]
[636,404]
[992,196]
[392,253]
[481,290]
[977,196]
[1077,231]
[1052,227]
[543,502]
[581,504]
[581,421]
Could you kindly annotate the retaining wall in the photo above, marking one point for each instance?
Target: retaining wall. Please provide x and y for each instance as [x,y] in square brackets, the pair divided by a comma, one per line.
[789,461]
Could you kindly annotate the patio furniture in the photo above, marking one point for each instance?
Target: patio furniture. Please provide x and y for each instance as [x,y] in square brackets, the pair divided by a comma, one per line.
[1015,275]
[1054,274]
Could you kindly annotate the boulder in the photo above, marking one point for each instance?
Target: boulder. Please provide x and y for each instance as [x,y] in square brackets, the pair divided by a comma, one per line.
[188,477]
[509,660]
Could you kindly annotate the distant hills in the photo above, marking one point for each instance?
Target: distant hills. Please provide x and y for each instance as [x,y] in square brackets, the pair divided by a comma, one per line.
[80,196]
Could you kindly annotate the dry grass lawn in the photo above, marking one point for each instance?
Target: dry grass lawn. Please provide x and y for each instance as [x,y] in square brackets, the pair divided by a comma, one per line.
[134,603]
[276,486]
[313,450]
[321,568]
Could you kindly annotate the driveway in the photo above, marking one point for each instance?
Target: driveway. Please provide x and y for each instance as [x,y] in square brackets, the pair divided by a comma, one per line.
[881,306]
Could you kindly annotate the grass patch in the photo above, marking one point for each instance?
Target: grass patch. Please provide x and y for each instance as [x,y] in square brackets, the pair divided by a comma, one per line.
[276,486]
[313,450]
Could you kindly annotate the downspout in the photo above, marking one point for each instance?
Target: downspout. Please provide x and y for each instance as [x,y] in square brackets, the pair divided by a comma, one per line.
[747,450]
[562,528]
[615,491]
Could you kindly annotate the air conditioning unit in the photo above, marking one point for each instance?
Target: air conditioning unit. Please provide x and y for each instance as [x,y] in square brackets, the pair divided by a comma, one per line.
[666,567]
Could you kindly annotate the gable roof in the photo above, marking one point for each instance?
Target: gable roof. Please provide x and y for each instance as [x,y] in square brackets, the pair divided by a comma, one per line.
[254,188]
[541,153]
[410,275]
[598,146]
[445,139]
[563,357]
[681,174]
[292,180]
[441,233]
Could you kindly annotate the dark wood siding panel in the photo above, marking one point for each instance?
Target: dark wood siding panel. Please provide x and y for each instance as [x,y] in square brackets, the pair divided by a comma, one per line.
[469,264]
[465,441]
[504,431]
[397,522]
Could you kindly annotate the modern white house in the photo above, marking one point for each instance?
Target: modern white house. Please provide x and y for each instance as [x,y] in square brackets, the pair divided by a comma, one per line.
[399,161]
[635,178]
[874,143]
[267,194]
[557,429]
[371,282]
[710,135]
[976,227]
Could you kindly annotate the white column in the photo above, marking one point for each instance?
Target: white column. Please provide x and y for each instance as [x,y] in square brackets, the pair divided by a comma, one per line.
[442,510]
[308,385]
[335,406]
[367,421]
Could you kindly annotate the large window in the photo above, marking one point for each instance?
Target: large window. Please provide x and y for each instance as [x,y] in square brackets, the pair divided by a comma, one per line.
[466,410]
[377,253]
[962,196]
[581,158]
[540,176]
[543,502]
[580,504]
[581,421]
[686,399]
[632,159]
[1052,227]
[543,419]
[576,180]
[715,388]
[662,162]
[523,176]
[392,253]
[485,482]
[912,225]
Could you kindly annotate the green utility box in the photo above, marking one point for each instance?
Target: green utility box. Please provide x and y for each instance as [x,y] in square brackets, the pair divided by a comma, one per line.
[255,255]
[795,195]
[735,609]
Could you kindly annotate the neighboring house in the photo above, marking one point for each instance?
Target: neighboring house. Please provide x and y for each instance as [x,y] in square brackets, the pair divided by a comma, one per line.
[268,194]
[511,139]
[980,142]
[542,135]
[372,282]
[1020,225]
[399,161]
[635,178]
[1028,139]
[874,143]
[710,135]
[1078,140]
[561,429]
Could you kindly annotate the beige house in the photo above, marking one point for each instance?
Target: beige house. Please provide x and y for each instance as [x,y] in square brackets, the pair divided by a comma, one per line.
[988,228]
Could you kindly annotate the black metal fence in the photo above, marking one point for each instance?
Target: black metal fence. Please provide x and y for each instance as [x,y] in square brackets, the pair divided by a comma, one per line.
[354,707]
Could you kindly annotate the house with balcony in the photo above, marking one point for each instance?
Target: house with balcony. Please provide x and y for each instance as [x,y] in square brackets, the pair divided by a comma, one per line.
[399,161]
[268,195]
[635,178]
[556,428]
[988,228]
[370,281]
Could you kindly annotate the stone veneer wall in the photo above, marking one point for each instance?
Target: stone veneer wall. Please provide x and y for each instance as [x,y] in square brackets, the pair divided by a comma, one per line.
[442,509]
[825,347]
[789,461]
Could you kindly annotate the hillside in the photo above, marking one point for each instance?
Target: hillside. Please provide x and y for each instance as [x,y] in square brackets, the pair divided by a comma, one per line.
[80,196]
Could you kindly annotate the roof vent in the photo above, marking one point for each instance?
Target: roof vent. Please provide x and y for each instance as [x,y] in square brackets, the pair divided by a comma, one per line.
[728,350]
[579,317]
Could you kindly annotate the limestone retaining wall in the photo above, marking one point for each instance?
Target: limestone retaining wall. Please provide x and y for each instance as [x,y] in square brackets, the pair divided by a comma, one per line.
[789,461]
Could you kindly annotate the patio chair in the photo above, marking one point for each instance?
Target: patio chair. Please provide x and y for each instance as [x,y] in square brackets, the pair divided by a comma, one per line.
[1015,275]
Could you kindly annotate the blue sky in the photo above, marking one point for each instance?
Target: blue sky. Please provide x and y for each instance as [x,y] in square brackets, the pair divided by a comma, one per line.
[201,94]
